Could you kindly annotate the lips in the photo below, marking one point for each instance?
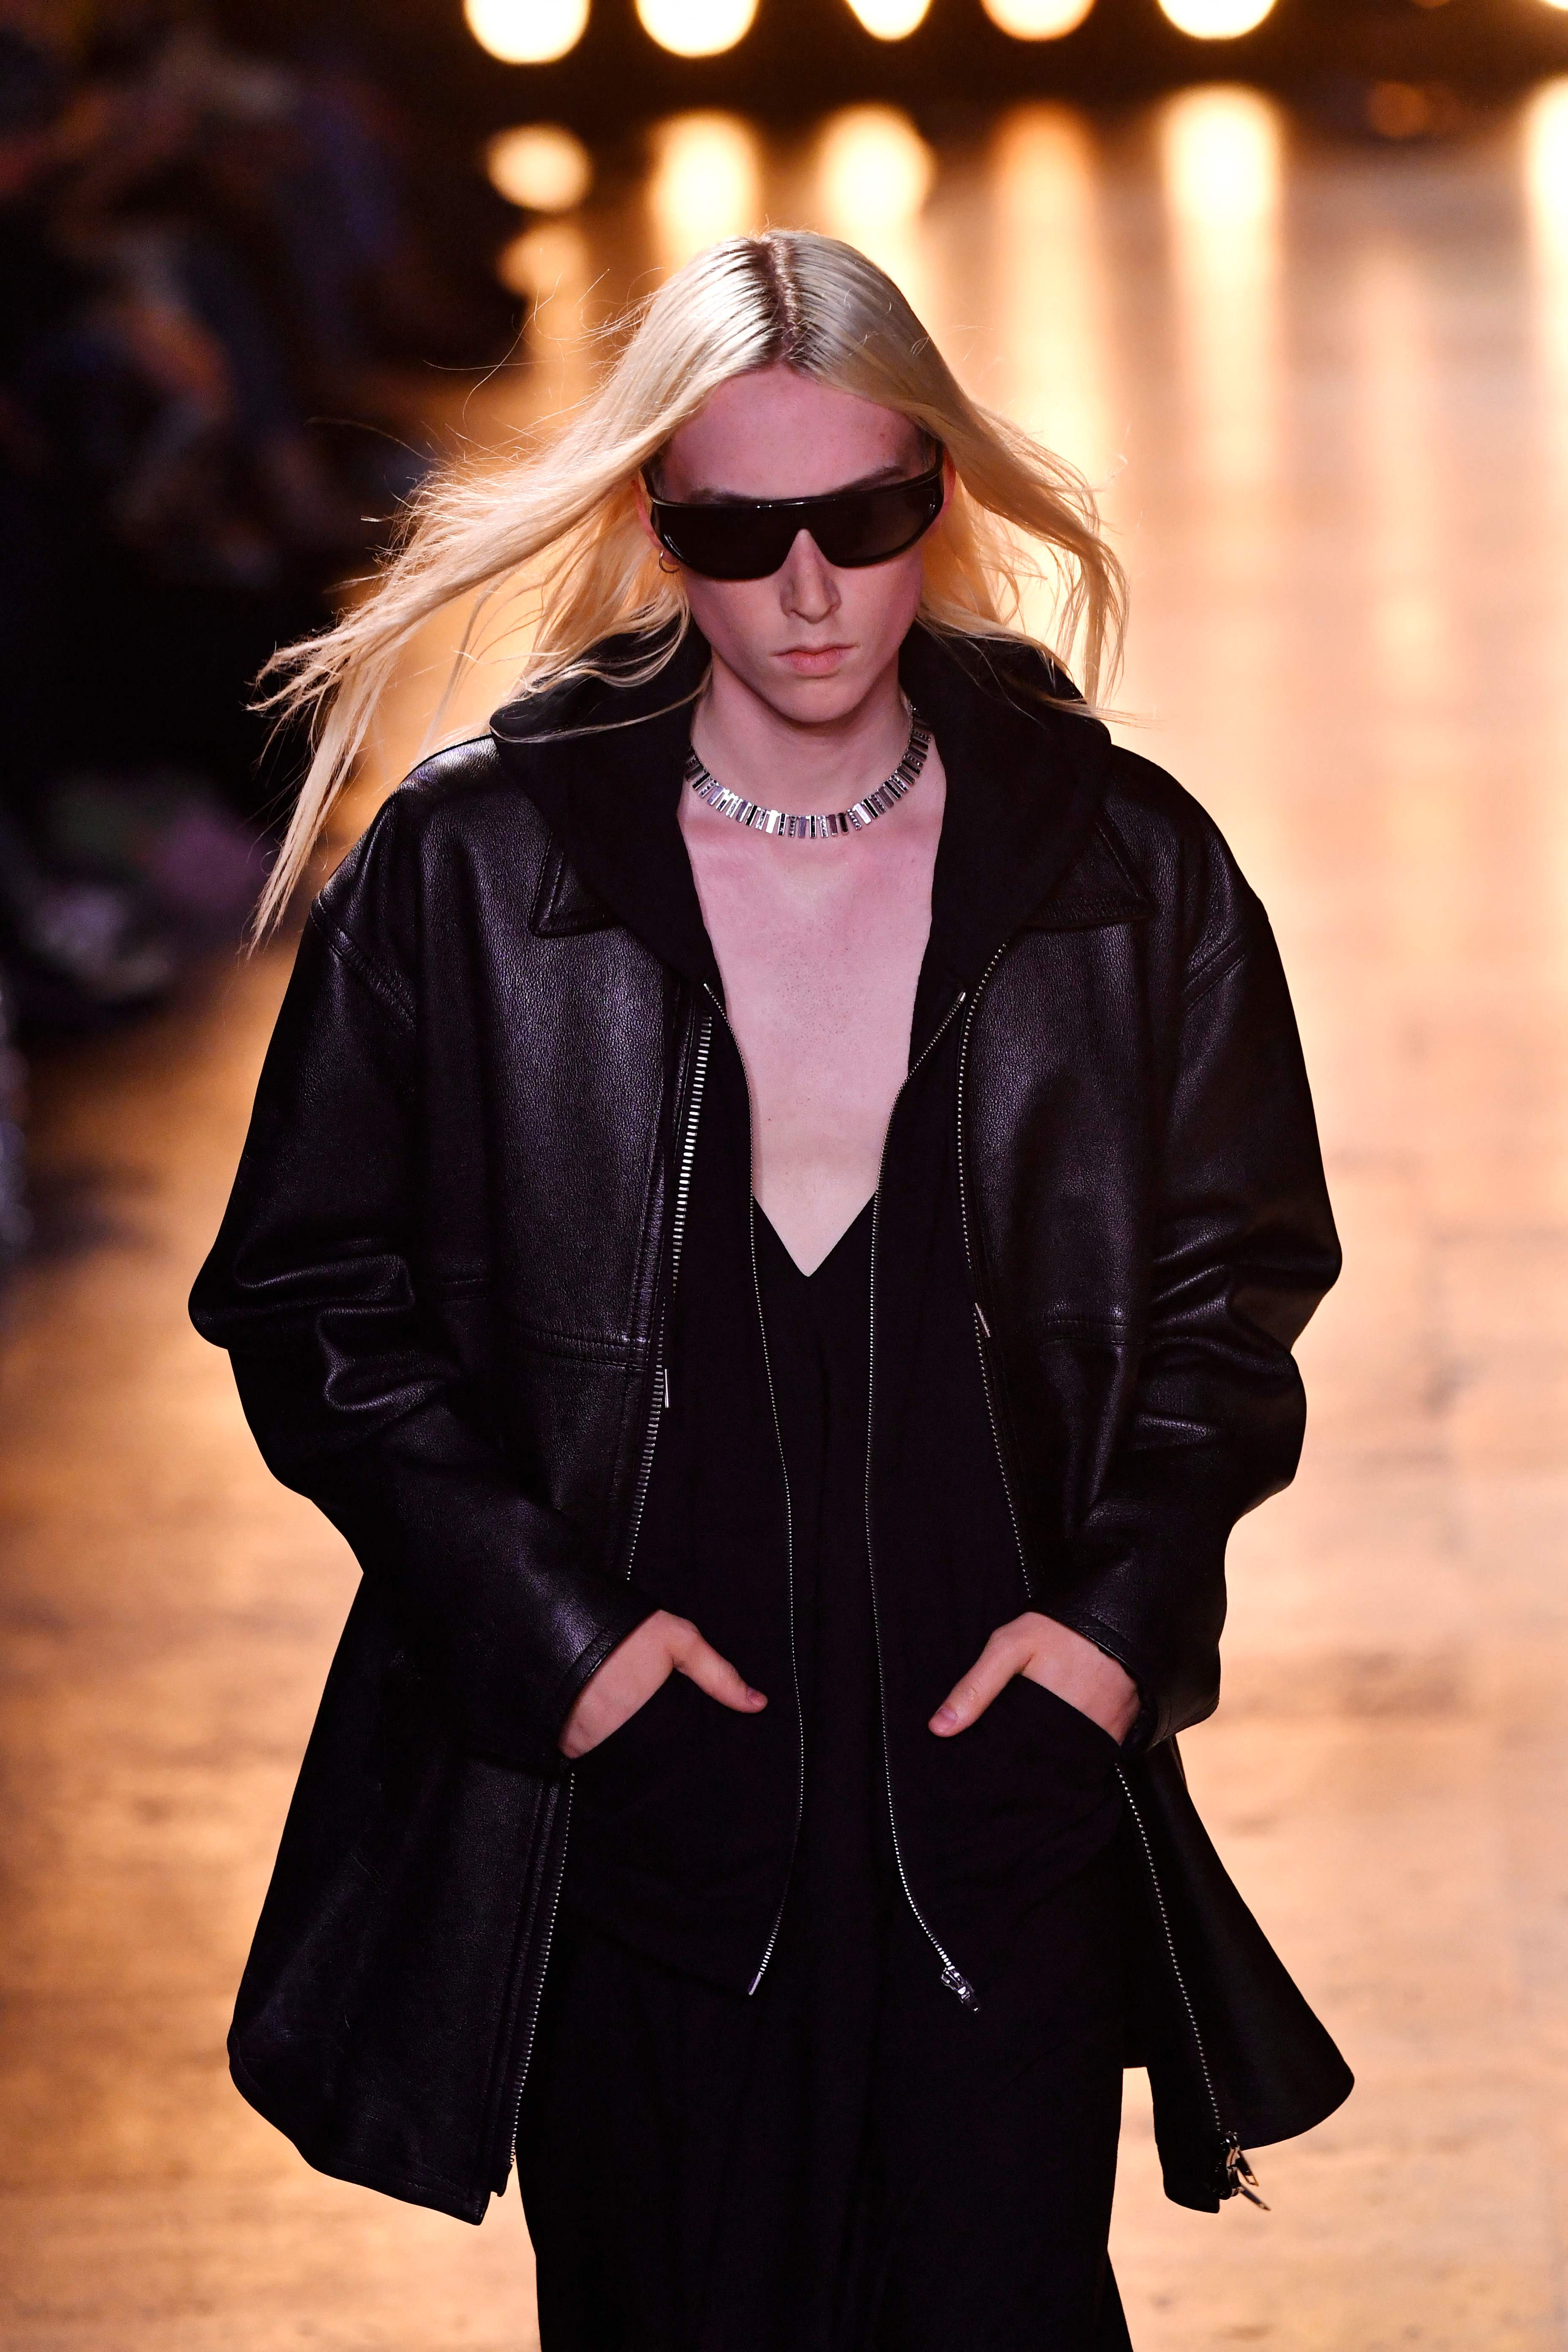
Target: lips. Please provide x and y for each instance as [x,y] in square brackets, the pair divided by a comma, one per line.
[814,661]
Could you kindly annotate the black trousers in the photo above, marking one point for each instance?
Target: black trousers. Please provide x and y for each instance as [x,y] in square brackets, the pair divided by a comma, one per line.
[705,2172]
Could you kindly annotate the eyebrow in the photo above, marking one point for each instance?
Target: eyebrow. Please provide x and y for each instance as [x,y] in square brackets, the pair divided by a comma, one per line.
[883,475]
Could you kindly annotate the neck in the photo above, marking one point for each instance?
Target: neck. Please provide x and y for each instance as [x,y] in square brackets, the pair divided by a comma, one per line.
[809,766]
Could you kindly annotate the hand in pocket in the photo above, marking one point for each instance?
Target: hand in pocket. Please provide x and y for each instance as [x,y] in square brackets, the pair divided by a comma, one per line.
[661,1645]
[1043,1651]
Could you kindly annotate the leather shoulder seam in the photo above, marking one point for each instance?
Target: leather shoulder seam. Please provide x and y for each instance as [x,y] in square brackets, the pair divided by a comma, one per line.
[352,957]
[1221,957]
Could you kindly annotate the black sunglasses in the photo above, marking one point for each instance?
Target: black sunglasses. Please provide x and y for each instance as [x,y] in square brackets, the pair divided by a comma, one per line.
[749,540]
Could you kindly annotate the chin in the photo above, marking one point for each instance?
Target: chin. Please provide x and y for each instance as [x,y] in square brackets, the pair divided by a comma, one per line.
[814,703]
[831,696]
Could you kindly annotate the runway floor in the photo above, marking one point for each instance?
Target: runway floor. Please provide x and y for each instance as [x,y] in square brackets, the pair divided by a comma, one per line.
[1328,388]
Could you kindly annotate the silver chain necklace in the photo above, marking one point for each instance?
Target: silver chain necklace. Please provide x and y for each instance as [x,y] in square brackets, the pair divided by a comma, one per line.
[853,819]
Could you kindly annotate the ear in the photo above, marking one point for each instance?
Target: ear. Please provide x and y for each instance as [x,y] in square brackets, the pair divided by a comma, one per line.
[645,515]
[949,482]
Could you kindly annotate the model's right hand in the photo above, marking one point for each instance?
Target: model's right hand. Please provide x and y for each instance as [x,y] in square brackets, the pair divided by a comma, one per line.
[660,1647]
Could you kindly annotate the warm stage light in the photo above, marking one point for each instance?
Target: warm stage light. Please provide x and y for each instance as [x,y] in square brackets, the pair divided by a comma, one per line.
[890,20]
[548,265]
[539,166]
[1546,189]
[1041,20]
[526,32]
[706,183]
[1546,169]
[1216,20]
[874,170]
[696,28]
[1222,158]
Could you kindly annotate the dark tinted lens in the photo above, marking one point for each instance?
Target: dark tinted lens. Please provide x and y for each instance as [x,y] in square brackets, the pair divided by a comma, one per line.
[750,542]
[726,543]
[872,526]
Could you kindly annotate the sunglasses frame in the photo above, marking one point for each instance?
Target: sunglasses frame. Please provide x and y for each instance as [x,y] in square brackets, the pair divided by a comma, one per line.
[799,514]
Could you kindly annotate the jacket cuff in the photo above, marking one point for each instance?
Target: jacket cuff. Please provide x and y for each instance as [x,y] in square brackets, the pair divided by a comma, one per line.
[635,1608]
[1106,1638]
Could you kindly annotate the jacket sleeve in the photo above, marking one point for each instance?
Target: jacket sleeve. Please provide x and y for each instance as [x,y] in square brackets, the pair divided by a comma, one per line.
[1245,1249]
[309,1286]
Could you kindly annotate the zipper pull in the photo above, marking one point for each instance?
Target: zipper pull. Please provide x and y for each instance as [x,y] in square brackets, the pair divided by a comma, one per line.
[666,1388]
[1240,2179]
[957,1982]
[979,1319]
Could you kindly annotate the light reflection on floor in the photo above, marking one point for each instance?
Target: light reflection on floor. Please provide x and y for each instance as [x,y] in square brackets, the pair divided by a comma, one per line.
[1327,391]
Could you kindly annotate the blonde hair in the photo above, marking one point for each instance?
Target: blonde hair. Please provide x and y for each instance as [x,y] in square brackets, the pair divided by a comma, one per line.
[563,520]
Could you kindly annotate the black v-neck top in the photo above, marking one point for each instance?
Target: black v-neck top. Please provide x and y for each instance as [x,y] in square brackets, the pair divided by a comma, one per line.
[684,1833]
[665,1786]
[692,1822]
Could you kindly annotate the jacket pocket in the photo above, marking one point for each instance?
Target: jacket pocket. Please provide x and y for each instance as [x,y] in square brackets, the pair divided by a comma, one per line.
[638,1733]
[1064,1728]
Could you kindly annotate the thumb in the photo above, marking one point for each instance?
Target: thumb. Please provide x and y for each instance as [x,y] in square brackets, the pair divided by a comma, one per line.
[718,1677]
[969,1697]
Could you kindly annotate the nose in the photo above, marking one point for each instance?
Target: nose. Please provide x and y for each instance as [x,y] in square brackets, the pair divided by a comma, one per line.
[806,586]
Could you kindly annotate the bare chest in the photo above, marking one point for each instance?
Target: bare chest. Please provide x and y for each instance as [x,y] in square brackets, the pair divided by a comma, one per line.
[820,946]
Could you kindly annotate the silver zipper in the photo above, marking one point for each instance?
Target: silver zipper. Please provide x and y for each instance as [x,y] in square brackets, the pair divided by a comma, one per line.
[1239,2172]
[952,1976]
[689,1150]
[983,1332]
[660,1399]
[1243,2180]
[539,1992]
[676,1238]
[789,1540]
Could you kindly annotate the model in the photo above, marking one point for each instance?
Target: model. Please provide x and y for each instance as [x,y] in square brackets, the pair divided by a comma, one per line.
[774,1223]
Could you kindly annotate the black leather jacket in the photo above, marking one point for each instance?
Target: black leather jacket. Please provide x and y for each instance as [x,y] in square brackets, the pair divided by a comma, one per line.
[440,1277]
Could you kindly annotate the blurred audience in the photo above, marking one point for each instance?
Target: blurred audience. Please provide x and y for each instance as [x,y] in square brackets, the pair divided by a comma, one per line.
[202,254]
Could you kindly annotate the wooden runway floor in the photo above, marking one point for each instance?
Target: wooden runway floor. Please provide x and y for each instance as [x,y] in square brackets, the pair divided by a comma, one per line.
[1331,389]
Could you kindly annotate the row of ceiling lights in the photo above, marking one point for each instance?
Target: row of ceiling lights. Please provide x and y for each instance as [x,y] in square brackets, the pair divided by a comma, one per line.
[535,32]
[1222,150]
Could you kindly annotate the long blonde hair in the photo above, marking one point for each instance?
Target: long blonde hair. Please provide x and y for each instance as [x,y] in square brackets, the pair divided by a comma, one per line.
[561,519]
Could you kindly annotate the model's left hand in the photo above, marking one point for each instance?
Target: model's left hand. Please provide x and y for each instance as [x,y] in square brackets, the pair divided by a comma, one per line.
[1048,1654]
